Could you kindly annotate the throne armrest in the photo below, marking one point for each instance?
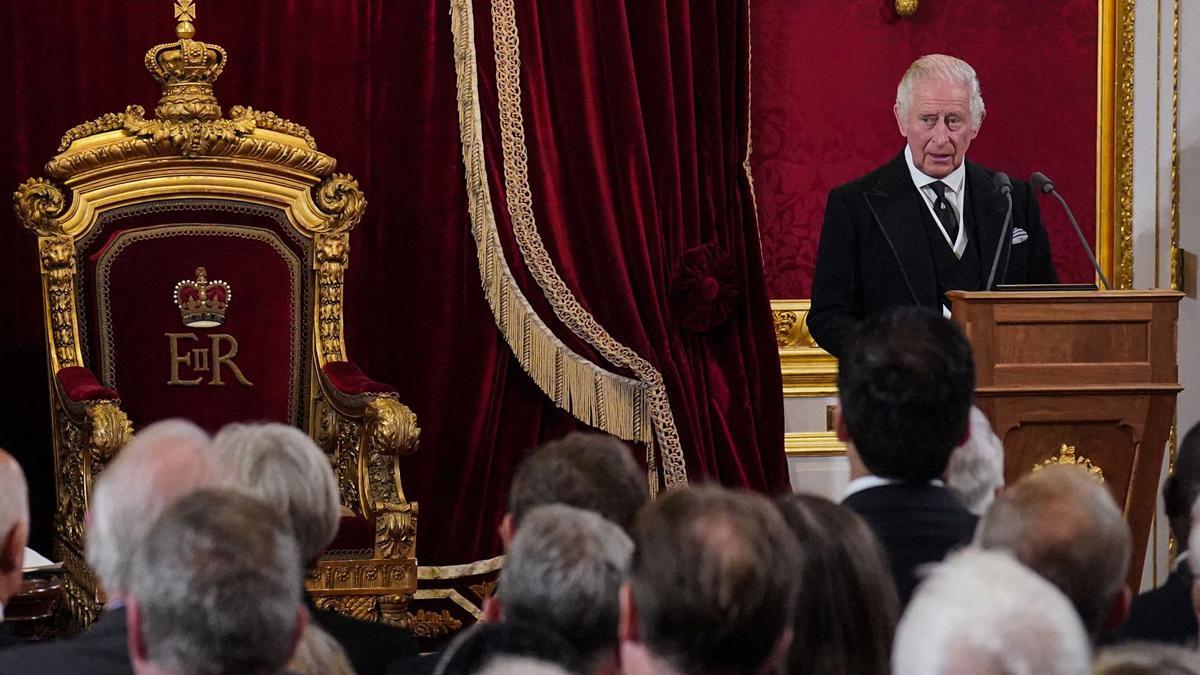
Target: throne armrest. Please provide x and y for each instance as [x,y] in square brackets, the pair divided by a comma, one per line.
[95,410]
[368,430]
[79,385]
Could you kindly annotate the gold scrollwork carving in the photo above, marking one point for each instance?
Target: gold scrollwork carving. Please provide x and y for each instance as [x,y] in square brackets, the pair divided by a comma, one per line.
[358,607]
[395,530]
[392,426]
[1066,456]
[340,196]
[265,119]
[483,590]
[907,8]
[37,203]
[332,252]
[791,328]
[111,430]
[106,122]
[425,624]
[58,264]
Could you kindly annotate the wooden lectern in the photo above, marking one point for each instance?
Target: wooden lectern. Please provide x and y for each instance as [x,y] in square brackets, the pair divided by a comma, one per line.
[1080,377]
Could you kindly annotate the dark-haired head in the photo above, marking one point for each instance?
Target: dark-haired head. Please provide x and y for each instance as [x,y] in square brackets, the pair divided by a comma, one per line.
[906,383]
[1183,487]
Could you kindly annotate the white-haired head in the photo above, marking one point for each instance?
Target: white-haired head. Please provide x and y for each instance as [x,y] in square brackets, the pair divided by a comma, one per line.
[283,467]
[983,612]
[940,67]
[162,463]
[976,468]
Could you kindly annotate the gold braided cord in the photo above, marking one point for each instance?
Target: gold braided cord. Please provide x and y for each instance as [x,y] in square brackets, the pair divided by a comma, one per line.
[611,402]
[566,307]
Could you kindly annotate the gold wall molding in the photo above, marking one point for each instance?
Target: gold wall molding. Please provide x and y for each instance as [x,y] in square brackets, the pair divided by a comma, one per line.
[807,369]
[1114,145]
[813,444]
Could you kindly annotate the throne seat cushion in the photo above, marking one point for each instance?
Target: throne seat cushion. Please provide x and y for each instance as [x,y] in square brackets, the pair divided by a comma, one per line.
[355,538]
[79,384]
[349,379]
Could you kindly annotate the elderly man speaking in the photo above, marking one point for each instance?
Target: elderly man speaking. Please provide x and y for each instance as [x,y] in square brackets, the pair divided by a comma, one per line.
[928,221]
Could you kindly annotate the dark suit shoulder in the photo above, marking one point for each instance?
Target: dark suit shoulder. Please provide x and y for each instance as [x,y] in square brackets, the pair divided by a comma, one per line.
[100,649]
[1163,614]
[870,182]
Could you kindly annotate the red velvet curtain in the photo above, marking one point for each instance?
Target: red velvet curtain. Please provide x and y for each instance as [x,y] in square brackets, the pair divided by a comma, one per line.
[636,118]
[655,172]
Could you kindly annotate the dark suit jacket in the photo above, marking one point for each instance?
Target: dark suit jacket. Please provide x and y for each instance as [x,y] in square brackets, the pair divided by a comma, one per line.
[876,250]
[371,646]
[917,523]
[1164,614]
[100,649]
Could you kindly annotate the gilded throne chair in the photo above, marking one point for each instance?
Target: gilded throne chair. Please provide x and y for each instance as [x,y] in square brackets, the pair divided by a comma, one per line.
[192,266]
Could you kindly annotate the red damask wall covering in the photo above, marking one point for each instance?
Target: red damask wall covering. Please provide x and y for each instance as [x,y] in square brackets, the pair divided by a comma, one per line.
[824,80]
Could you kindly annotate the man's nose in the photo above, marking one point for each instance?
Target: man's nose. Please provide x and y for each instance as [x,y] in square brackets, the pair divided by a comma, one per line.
[941,132]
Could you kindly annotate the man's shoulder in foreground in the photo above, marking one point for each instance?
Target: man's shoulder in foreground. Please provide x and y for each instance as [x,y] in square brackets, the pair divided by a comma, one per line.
[371,646]
[99,649]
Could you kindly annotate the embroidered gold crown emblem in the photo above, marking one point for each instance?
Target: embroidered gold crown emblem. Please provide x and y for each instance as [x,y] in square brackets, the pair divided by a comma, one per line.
[202,303]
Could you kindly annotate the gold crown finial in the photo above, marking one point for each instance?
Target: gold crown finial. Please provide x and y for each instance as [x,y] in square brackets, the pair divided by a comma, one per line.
[185,14]
[186,69]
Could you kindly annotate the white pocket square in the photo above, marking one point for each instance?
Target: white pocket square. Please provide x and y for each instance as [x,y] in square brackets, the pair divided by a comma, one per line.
[1019,235]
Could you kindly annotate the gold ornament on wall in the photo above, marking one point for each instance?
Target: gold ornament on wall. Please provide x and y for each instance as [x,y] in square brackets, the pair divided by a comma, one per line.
[1066,455]
[906,8]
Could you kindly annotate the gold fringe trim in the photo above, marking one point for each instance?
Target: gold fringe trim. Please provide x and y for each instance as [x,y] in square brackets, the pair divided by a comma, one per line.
[633,409]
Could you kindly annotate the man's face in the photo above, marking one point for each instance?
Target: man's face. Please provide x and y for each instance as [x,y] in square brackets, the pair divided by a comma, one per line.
[938,126]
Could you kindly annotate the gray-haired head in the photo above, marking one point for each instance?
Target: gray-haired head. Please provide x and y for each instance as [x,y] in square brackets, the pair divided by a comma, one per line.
[522,665]
[976,468]
[1146,658]
[983,612]
[283,467]
[216,588]
[564,572]
[163,462]
[940,67]
[1064,525]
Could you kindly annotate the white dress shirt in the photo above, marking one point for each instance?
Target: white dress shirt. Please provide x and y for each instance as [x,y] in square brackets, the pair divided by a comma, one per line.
[956,194]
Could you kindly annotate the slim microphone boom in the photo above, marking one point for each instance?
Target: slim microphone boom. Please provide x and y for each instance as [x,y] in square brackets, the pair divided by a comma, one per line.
[1041,183]
[1004,186]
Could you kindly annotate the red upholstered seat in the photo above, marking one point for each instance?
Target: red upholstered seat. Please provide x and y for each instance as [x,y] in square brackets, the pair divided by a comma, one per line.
[79,384]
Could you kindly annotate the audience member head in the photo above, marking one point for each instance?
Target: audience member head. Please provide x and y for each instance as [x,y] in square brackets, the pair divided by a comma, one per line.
[905,384]
[1182,487]
[976,469]
[485,643]
[14,526]
[563,572]
[521,665]
[847,606]
[283,467]
[215,588]
[1146,658]
[318,653]
[594,472]
[1193,561]
[163,462]
[711,587]
[982,612]
[1065,526]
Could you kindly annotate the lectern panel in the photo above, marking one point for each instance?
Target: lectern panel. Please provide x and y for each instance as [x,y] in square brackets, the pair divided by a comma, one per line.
[1064,342]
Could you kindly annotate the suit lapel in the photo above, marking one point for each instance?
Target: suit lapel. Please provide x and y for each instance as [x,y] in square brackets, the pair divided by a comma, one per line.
[896,206]
[988,206]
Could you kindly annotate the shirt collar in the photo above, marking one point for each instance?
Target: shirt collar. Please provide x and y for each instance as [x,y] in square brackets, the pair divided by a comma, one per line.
[954,181]
[872,481]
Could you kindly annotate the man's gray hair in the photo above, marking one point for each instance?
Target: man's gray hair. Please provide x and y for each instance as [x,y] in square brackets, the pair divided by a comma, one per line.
[976,468]
[1065,526]
[14,496]
[521,665]
[217,586]
[564,572]
[283,467]
[983,612]
[940,67]
[163,462]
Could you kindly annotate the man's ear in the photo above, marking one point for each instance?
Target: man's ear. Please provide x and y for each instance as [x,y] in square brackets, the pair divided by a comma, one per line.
[12,550]
[493,609]
[507,530]
[777,661]
[298,631]
[133,629]
[839,424]
[900,120]
[627,625]
[1119,610]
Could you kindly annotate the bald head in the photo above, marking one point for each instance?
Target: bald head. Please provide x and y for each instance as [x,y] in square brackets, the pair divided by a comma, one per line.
[162,463]
[14,524]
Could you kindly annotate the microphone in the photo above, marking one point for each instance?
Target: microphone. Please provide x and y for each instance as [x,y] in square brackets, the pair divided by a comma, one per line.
[1041,183]
[1004,186]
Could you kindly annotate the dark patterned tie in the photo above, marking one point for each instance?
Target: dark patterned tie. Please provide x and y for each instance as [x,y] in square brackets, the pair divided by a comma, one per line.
[944,211]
